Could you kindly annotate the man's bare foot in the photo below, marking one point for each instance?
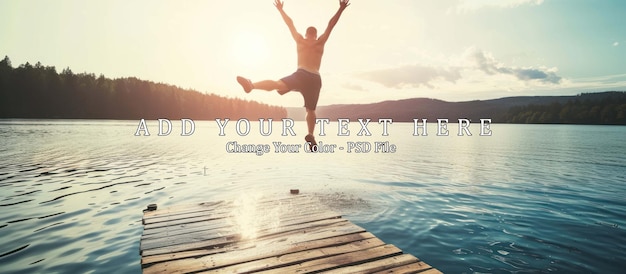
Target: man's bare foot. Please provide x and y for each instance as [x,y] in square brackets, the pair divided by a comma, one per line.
[245,83]
[311,142]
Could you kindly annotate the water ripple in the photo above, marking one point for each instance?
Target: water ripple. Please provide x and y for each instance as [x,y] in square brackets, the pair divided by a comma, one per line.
[519,202]
[14,251]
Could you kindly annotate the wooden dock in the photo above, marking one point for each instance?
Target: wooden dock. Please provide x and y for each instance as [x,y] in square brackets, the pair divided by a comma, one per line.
[292,234]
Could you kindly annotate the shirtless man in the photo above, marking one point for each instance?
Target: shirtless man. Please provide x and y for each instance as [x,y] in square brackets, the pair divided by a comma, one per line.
[306,79]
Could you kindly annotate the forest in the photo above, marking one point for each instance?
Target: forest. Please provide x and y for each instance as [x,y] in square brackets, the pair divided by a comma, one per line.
[37,91]
[588,108]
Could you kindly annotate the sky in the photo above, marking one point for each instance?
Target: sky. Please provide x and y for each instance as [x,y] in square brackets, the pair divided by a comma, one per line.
[453,50]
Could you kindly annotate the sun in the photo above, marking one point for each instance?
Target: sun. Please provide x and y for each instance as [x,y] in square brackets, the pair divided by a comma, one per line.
[250,49]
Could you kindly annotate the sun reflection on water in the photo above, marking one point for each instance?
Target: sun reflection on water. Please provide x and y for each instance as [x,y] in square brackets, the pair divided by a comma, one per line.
[251,215]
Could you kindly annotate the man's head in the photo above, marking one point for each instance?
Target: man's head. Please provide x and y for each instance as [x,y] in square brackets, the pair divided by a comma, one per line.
[311,33]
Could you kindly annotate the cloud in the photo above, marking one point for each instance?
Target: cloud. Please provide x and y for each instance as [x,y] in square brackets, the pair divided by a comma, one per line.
[473,5]
[353,87]
[485,62]
[615,44]
[411,76]
[474,66]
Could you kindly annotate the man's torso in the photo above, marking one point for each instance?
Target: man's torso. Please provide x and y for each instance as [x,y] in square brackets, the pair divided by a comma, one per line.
[310,55]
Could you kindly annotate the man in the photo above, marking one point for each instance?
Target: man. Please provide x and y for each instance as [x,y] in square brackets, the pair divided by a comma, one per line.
[306,79]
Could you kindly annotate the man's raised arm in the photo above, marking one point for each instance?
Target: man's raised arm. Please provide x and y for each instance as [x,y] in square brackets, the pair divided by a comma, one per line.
[279,5]
[343,4]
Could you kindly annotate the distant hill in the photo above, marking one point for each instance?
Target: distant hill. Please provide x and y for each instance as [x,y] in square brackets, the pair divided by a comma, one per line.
[587,108]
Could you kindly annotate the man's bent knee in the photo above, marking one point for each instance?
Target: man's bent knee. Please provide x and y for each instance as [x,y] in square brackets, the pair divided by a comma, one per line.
[281,85]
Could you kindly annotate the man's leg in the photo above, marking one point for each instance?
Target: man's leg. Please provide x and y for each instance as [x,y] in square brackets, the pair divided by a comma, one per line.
[310,120]
[268,85]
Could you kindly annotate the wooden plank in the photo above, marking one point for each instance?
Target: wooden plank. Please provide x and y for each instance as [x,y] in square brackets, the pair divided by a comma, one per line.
[173,210]
[310,243]
[229,208]
[287,219]
[340,228]
[293,202]
[152,230]
[174,229]
[150,260]
[189,235]
[273,247]
[314,226]
[210,215]
[280,260]
[187,221]
[187,215]
[178,209]
[216,224]
[178,240]
[419,267]
[232,230]
[285,200]
[379,265]
[333,262]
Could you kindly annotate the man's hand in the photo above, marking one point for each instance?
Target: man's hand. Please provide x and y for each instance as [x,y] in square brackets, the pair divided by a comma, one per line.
[279,4]
[343,4]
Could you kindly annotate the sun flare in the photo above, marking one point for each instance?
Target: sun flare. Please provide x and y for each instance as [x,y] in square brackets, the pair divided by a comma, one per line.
[250,49]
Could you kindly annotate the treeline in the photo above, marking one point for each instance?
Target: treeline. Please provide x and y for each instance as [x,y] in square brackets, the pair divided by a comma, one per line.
[588,108]
[38,91]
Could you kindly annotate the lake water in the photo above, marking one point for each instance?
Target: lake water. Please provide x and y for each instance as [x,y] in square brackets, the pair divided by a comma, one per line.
[529,198]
